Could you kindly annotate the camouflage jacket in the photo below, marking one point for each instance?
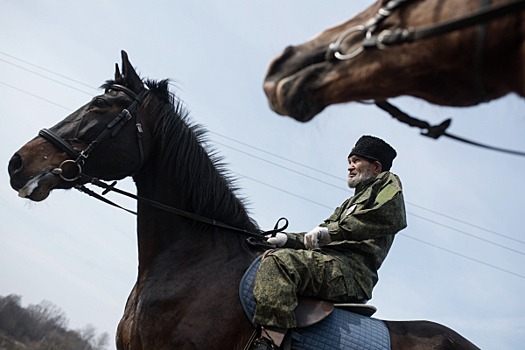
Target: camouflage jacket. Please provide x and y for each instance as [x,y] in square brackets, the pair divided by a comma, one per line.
[362,229]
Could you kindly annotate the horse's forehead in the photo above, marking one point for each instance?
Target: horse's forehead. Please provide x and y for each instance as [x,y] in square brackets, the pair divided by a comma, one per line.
[69,123]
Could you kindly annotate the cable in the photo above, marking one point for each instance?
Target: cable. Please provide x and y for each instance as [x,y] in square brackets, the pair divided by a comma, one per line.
[469,234]
[463,256]
[339,179]
[281,190]
[45,69]
[469,224]
[402,234]
[278,165]
[46,77]
[274,155]
[326,183]
[35,96]
[418,216]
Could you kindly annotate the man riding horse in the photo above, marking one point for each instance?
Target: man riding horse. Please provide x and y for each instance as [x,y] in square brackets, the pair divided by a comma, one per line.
[337,261]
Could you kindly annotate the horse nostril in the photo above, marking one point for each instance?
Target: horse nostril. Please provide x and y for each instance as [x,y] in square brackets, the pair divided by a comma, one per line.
[15,164]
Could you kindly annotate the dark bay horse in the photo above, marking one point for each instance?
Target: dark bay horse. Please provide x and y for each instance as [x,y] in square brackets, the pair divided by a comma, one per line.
[384,52]
[186,293]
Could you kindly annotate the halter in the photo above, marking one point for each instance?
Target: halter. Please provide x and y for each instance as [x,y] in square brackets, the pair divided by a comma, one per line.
[70,170]
[334,49]
[401,35]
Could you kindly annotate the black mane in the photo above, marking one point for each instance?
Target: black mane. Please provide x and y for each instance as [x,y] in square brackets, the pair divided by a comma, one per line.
[203,178]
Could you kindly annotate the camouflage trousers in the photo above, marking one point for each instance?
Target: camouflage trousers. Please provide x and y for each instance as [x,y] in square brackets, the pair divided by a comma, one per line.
[286,273]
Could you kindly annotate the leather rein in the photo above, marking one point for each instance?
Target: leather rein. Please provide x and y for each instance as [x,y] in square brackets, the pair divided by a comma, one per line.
[70,170]
[397,36]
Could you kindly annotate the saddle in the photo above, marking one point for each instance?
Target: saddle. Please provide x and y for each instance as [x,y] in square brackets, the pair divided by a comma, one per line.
[323,325]
[309,311]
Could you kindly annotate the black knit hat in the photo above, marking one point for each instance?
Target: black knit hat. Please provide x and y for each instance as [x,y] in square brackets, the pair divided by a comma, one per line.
[374,149]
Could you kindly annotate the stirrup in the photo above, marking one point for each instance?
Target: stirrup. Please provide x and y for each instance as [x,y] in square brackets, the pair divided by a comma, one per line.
[263,343]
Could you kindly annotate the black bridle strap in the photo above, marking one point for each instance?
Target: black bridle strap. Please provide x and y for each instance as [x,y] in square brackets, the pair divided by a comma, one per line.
[111,130]
[436,131]
[260,236]
[59,142]
[257,238]
[401,35]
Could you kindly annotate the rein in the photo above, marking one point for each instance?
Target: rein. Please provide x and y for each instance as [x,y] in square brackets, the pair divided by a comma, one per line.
[70,170]
[253,236]
[435,131]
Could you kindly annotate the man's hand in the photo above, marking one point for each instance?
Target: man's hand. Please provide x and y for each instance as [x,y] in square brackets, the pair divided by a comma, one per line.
[279,240]
[317,237]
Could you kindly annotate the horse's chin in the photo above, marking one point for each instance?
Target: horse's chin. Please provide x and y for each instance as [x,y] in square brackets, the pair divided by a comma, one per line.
[294,96]
[38,188]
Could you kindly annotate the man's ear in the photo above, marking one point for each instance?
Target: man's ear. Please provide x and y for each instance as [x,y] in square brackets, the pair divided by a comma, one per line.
[377,168]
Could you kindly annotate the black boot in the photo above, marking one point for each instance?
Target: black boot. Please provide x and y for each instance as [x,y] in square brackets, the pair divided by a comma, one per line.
[263,343]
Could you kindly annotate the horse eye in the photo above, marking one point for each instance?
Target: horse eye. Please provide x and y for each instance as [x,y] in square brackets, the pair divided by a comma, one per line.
[100,103]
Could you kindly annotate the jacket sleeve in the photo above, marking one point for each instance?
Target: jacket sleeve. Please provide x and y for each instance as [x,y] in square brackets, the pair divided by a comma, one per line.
[381,214]
[295,240]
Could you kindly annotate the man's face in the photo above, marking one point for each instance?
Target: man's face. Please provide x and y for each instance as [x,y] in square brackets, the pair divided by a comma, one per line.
[361,169]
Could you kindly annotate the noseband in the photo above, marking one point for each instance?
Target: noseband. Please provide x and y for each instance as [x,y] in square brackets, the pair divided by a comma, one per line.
[70,170]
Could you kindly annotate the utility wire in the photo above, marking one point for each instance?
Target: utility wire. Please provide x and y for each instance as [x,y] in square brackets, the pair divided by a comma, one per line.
[35,96]
[339,179]
[45,69]
[284,191]
[321,181]
[469,234]
[401,233]
[311,177]
[463,256]
[46,77]
[264,151]
[418,216]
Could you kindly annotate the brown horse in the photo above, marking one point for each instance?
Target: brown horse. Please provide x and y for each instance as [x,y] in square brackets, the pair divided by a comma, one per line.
[186,294]
[405,47]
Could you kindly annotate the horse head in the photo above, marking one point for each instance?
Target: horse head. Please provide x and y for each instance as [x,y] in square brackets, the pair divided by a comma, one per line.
[106,138]
[460,68]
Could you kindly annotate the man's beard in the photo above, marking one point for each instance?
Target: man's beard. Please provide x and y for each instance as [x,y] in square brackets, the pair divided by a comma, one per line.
[362,176]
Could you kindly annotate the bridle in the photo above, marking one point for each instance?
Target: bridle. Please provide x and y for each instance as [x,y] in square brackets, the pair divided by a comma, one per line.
[70,170]
[391,37]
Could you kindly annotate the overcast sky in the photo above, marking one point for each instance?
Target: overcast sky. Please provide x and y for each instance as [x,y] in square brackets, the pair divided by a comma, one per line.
[459,262]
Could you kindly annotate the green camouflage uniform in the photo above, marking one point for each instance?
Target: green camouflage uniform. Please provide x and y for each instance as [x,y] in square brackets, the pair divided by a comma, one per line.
[362,230]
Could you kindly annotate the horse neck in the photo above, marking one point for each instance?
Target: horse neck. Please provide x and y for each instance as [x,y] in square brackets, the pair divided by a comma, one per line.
[188,181]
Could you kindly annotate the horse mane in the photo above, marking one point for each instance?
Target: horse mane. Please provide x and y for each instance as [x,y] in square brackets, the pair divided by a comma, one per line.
[178,140]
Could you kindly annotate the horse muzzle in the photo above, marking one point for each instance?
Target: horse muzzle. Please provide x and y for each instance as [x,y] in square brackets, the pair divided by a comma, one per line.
[34,185]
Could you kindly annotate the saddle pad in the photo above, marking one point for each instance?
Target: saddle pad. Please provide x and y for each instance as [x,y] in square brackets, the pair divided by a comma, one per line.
[341,330]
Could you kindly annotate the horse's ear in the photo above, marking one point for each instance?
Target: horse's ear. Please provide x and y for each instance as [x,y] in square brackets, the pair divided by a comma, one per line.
[131,77]
[118,76]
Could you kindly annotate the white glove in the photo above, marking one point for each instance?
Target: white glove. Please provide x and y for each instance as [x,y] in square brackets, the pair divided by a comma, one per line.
[279,240]
[317,237]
